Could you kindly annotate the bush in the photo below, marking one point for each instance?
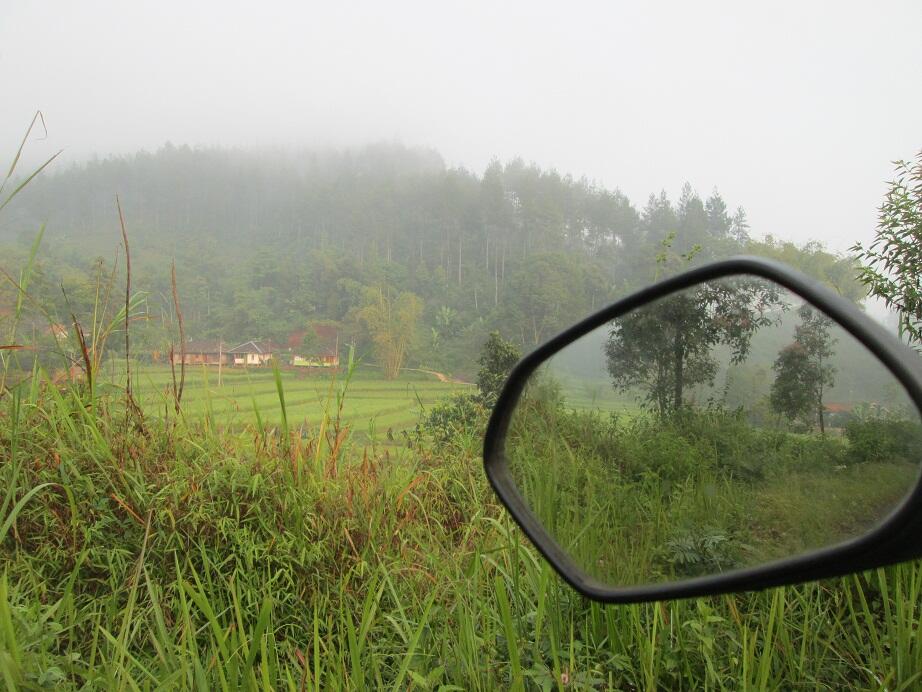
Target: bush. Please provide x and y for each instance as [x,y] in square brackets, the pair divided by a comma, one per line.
[884,440]
[699,552]
[649,445]
[461,414]
[497,358]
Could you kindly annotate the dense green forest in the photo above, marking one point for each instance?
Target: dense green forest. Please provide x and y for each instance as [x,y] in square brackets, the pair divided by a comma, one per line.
[266,242]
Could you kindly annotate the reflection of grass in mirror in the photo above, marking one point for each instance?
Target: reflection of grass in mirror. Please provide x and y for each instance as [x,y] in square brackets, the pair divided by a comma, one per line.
[643,499]
[807,509]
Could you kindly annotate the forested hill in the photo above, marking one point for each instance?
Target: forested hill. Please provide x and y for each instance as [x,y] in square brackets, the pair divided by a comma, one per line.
[265,242]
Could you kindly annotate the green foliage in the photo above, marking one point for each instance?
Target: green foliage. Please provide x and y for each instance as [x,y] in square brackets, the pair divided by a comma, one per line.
[646,498]
[884,439]
[497,357]
[699,552]
[546,292]
[460,416]
[140,553]
[666,346]
[391,321]
[221,558]
[447,322]
[838,272]
[264,243]
[464,415]
[802,370]
[163,573]
[894,258]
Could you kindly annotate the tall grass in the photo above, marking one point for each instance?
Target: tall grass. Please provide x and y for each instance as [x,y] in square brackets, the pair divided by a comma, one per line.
[214,559]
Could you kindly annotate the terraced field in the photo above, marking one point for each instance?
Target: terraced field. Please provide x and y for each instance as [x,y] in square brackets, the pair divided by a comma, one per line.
[371,404]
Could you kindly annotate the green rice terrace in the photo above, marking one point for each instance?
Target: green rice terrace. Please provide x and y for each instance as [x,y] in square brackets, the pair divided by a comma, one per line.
[375,407]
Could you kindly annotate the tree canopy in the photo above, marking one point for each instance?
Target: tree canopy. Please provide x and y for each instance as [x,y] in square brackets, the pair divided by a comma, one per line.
[391,321]
[665,347]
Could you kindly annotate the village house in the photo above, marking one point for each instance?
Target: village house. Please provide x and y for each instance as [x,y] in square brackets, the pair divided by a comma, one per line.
[319,351]
[252,353]
[202,353]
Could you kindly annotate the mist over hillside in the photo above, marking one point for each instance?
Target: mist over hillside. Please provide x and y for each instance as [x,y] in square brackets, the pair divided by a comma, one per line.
[267,241]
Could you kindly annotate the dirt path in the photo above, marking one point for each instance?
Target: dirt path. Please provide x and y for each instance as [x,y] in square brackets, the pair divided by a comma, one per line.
[440,376]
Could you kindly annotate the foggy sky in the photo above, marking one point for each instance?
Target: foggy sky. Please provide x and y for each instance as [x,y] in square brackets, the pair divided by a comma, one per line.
[793,112]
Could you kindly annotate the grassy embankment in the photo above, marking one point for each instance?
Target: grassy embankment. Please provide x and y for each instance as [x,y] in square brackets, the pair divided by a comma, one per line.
[176,554]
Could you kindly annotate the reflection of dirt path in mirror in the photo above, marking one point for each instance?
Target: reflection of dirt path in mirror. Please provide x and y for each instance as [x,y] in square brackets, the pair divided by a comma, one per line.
[853,526]
[849,505]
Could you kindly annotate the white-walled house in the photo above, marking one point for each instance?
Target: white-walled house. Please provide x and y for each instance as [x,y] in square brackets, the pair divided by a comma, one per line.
[252,353]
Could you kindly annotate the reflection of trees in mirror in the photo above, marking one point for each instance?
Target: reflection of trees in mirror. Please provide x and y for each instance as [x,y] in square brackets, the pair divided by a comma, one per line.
[651,498]
[667,346]
[804,371]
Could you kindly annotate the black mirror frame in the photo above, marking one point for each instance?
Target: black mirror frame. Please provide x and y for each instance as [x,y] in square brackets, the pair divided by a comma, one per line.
[895,539]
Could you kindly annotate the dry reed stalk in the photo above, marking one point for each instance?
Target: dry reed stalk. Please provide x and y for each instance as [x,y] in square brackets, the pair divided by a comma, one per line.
[177,391]
[121,220]
[84,351]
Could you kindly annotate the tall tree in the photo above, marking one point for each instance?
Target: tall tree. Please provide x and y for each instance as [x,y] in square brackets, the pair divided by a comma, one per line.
[658,218]
[667,346]
[718,219]
[545,294]
[739,226]
[894,257]
[391,322]
[803,371]
[446,319]
[693,221]
[838,272]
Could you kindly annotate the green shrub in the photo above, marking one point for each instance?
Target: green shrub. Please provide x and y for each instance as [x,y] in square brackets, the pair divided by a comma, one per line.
[497,357]
[700,551]
[649,446]
[885,440]
[461,414]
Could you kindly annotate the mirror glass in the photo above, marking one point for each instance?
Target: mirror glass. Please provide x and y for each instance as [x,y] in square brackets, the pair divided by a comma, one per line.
[721,427]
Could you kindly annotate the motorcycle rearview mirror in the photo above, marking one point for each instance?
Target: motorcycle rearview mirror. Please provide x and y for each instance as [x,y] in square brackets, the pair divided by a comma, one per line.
[733,428]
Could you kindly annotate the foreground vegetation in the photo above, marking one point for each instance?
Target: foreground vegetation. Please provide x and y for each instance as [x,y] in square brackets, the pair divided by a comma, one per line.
[139,553]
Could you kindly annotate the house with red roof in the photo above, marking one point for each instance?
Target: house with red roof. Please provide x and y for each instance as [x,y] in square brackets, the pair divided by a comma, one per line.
[315,347]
